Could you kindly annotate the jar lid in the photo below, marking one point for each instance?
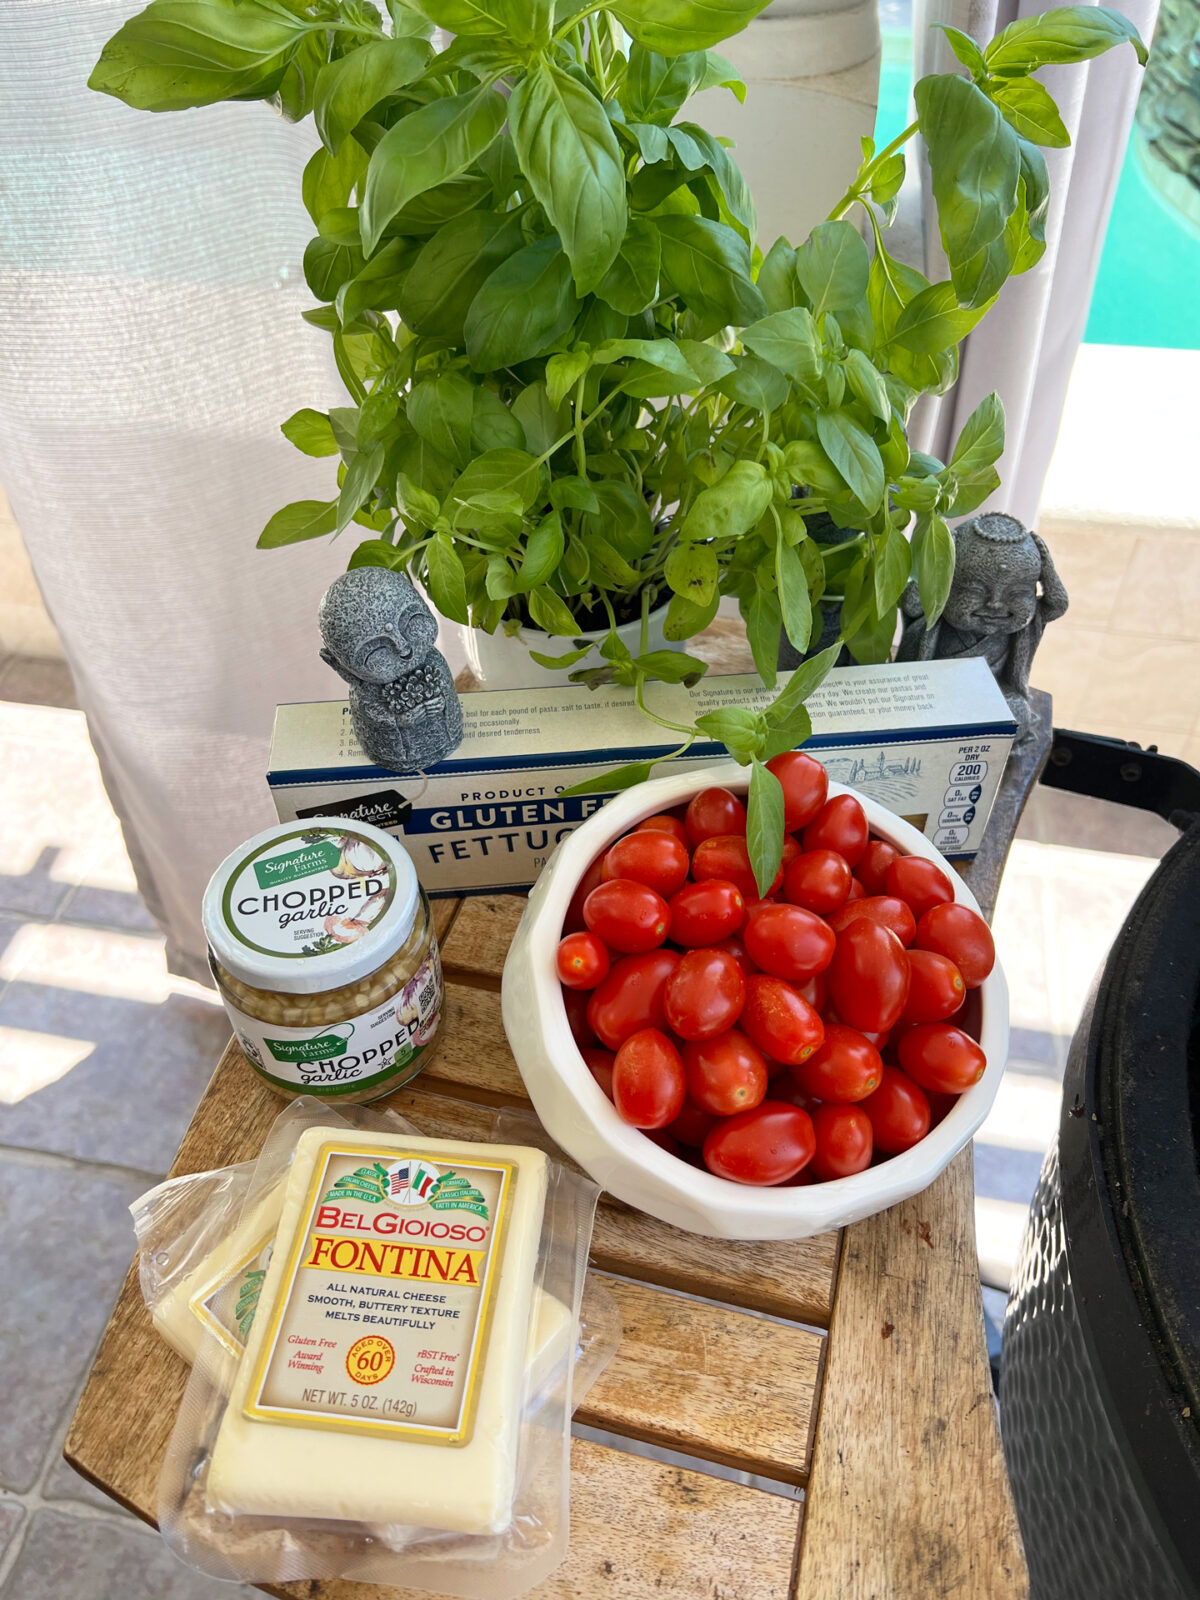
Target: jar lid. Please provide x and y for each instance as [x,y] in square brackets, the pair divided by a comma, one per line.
[309,906]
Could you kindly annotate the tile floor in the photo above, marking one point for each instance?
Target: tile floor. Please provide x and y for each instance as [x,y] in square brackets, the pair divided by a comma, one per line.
[103,1055]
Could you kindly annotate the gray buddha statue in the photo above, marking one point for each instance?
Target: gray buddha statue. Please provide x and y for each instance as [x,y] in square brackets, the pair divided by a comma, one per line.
[379,636]
[1005,591]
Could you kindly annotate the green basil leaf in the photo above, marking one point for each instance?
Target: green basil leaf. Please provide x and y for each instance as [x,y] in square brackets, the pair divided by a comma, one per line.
[310,431]
[631,283]
[763,625]
[974,161]
[692,572]
[890,287]
[1067,34]
[737,729]
[855,454]
[493,425]
[1035,181]
[777,281]
[872,643]
[550,612]
[425,148]
[574,493]
[764,825]
[567,659]
[303,519]
[933,547]
[347,89]
[981,442]
[543,424]
[801,685]
[965,48]
[543,552]
[377,287]
[569,153]
[792,584]
[893,567]
[294,96]
[867,383]
[684,620]
[498,471]
[441,411]
[788,734]
[664,354]
[708,264]
[327,266]
[933,320]
[672,26]
[376,553]
[616,779]
[1028,107]
[808,465]
[527,303]
[728,176]
[527,21]
[708,363]
[887,183]
[452,268]
[501,582]
[731,507]
[672,666]
[754,383]
[564,371]
[181,53]
[433,208]
[361,477]
[789,341]
[446,580]
[328,181]
[832,266]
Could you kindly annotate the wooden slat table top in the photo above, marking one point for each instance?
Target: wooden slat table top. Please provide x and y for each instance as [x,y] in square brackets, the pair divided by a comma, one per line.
[886,1422]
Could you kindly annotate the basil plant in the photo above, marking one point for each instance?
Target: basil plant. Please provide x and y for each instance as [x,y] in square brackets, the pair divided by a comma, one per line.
[576,388]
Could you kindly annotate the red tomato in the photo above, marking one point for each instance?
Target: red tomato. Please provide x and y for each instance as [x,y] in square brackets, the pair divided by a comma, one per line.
[705,994]
[791,849]
[767,1145]
[936,989]
[577,1003]
[725,1075]
[628,916]
[876,859]
[960,933]
[804,782]
[818,880]
[582,961]
[940,1106]
[847,1067]
[788,1089]
[779,1021]
[665,823]
[857,892]
[841,825]
[703,913]
[788,941]
[734,947]
[600,1065]
[845,1142]
[573,921]
[725,856]
[876,1036]
[663,1138]
[882,908]
[631,997]
[868,976]
[815,990]
[714,811]
[899,1112]
[775,1068]
[939,1056]
[692,1125]
[656,859]
[919,883]
[648,1080]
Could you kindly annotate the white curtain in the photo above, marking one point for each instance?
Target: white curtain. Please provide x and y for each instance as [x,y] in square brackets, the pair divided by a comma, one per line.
[1025,347]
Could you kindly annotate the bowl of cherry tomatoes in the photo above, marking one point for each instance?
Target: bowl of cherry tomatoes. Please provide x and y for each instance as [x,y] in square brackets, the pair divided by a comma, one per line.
[746,1066]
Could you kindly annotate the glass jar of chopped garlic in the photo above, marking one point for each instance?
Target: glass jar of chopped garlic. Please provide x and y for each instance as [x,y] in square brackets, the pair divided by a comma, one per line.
[322,946]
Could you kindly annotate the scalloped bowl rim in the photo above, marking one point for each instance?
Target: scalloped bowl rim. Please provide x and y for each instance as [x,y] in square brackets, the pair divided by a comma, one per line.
[583,1121]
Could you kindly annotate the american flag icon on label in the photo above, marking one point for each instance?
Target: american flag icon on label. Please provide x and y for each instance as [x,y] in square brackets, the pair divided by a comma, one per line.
[410,1182]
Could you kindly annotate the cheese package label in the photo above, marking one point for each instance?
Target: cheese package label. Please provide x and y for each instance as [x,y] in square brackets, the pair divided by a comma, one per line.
[381,1321]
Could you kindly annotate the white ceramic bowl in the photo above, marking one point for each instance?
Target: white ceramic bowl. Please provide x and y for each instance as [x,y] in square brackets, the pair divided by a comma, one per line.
[580,1117]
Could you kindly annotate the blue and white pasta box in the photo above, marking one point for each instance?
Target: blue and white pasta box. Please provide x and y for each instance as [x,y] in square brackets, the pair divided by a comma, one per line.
[928,739]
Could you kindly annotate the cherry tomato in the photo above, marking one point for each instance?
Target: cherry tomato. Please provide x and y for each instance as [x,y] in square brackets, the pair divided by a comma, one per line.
[779,1021]
[847,1067]
[631,997]
[919,883]
[818,880]
[939,1056]
[788,941]
[876,1036]
[791,849]
[712,812]
[857,892]
[767,1145]
[600,1064]
[664,1139]
[725,856]
[573,921]
[705,994]
[876,859]
[734,947]
[841,825]
[899,1112]
[868,976]
[576,1003]
[725,1075]
[815,990]
[882,908]
[940,1106]
[788,1089]
[656,859]
[960,933]
[666,823]
[845,1142]
[936,989]
[582,961]
[692,1125]
[805,784]
[703,913]
[648,1080]
[628,916]
[775,1068]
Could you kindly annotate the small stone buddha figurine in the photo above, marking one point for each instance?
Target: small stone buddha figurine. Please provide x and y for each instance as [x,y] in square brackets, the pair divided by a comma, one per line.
[379,636]
[994,609]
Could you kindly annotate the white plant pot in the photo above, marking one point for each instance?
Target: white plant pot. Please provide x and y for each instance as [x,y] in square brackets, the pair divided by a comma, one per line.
[502,661]
[580,1117]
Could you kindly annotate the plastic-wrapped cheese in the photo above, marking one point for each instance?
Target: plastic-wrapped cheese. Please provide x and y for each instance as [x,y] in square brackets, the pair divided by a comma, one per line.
[383,1375]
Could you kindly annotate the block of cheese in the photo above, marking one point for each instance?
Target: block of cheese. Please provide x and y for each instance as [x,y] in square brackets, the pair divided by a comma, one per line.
[383,1374]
